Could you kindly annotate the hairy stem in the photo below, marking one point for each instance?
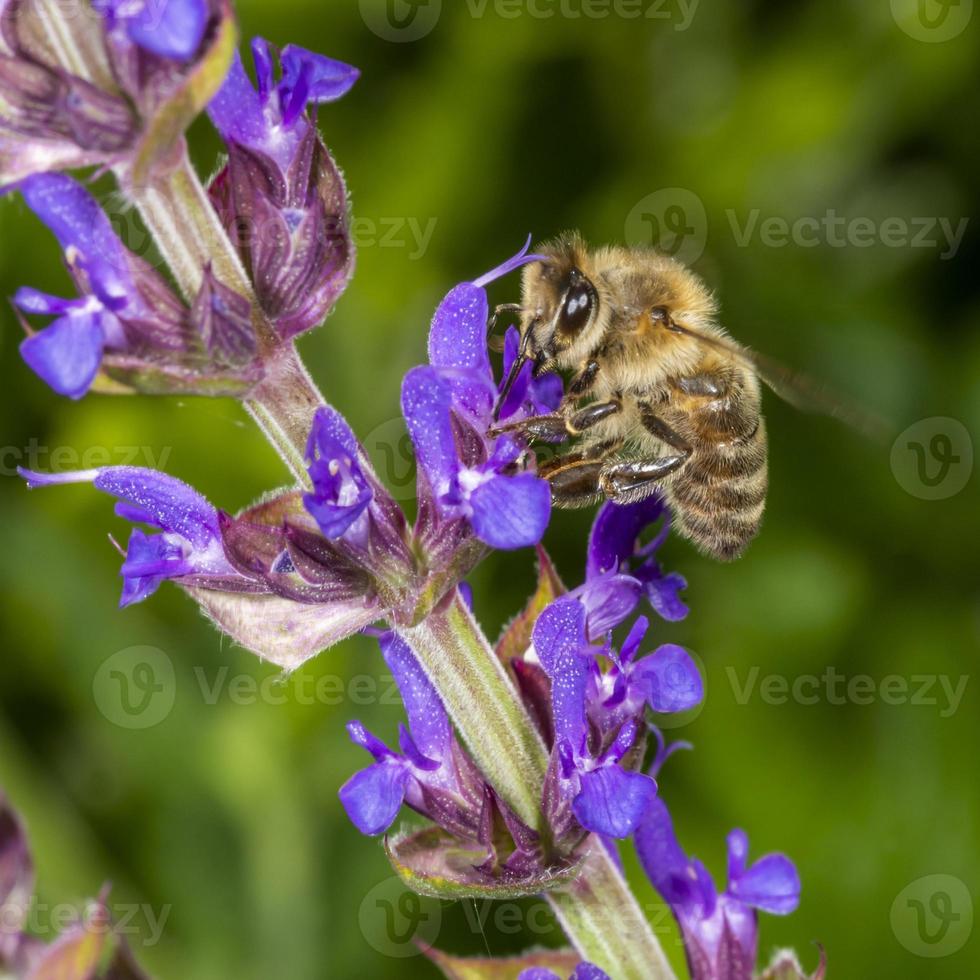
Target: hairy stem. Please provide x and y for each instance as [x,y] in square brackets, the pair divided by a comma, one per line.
[484,705]
[601,916]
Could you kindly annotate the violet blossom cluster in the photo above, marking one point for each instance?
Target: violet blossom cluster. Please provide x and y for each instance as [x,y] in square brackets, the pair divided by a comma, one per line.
[313,564]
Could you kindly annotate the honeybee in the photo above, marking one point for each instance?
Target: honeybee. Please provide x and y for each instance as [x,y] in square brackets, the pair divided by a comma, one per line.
[662,399]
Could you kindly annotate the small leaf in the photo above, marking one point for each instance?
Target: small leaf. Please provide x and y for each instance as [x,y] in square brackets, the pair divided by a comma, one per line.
[516,638]
[283,631]
[75,955]
[165,129]
[559,961]
[786,966]
[432,863]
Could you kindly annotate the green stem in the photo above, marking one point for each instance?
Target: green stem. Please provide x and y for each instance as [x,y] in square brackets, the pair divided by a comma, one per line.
[601,916]
[484,705]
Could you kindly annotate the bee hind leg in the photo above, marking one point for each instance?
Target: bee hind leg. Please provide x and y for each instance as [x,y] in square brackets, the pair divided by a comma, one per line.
[629,481]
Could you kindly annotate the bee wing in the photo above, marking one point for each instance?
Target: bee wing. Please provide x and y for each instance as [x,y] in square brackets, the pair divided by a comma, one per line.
[798,389]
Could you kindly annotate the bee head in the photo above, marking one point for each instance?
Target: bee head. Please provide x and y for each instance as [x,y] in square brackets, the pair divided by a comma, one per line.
[562,306]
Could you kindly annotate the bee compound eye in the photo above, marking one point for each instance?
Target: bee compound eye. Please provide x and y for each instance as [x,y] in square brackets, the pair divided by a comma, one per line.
[659,314]
[578,305]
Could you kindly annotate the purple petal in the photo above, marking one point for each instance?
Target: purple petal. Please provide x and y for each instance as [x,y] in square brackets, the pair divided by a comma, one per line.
[669,679]
[522,258]
[772,884]
[77,221]
[150,559]
[427,718]
[510,512]
[666,864]
[373,797]
[67,354]
[324,79]
[341,491]
[360,736]
[547,392]
[458,335]
[633,639]
[588,971]
[413,754]
[609,600]
[330,427]
[615,532]
[167,502]
[34,301]
[171,28]
[426,404]
[560,629]
[236,110]
[612,801]
[663,591]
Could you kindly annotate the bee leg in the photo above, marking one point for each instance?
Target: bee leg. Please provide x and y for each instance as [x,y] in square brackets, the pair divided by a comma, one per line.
[576,484]
[582,383]
[558,426]
[549,468]
[629,481]
[656,426]
[505,309]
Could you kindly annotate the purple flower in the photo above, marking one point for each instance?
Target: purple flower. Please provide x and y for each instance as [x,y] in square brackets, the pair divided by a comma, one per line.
[341,492]
[281,197]
[127,319]
[272,118]
[619,572]
[584,971]
[190,545]
[449,407]
[598,714]
[605,798]
[427,762]
[168,28]
[720,931]
[667,681]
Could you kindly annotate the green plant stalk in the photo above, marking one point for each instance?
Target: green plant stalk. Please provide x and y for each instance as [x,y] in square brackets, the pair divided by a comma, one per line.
[599,913]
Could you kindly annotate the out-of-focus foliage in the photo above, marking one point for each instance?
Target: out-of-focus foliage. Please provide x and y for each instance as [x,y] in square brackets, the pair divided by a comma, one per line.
[224,815]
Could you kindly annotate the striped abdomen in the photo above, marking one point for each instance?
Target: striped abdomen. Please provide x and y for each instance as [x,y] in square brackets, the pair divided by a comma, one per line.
[718,496]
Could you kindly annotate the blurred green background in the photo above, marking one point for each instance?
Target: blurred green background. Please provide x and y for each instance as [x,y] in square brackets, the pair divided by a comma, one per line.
[679,127]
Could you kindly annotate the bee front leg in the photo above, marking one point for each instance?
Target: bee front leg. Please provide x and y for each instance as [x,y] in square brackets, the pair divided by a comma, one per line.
[505,309]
